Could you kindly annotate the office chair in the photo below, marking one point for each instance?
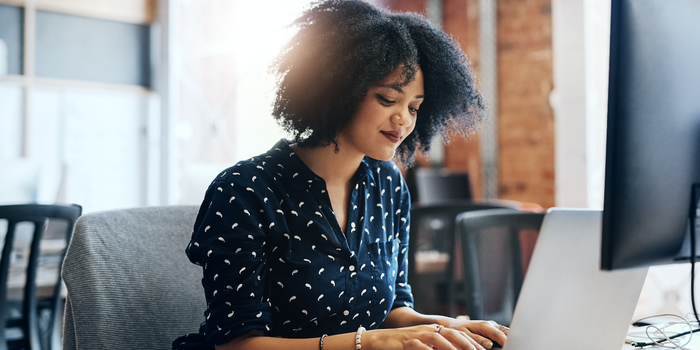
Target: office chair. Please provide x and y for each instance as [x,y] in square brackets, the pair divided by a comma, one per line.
[496,246]
[130,284]
[30,274]
[438,185]
[431,242]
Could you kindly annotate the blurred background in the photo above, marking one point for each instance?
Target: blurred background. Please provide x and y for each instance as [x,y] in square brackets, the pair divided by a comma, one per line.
[125,103]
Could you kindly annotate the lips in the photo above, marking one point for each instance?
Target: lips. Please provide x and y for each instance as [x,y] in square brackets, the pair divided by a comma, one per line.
[393,136]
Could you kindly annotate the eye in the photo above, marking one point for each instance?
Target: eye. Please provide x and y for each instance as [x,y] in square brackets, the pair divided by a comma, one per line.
[384,100]
[413,110]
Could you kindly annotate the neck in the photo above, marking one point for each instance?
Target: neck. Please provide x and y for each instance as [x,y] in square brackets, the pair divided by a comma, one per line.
[334,168]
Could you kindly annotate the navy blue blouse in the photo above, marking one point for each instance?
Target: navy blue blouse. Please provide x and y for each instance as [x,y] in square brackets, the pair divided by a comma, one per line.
[275,258]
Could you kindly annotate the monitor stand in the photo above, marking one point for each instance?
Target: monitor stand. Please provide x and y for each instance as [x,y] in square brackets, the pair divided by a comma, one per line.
[567,301]
[685,253]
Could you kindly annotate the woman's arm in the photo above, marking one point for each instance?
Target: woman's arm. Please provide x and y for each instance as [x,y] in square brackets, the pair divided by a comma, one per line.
[405,317]
[256,341]
[484,332]
[423,337]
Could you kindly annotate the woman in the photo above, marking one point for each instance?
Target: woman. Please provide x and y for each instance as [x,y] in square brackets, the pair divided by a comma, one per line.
[305,246]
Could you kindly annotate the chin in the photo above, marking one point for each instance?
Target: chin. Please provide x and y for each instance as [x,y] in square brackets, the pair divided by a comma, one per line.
[382,156]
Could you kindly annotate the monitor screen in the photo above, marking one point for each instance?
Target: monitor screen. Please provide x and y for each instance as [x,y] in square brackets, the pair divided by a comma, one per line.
[653,140]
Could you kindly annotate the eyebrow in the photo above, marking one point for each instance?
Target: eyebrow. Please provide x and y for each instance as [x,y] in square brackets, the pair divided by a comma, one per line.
[397,87]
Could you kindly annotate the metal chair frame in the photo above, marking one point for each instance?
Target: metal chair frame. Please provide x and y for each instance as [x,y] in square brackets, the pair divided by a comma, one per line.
[493,235]
[448,210]
[39,215]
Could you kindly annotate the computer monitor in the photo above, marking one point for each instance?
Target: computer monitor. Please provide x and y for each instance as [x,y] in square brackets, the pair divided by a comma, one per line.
[653,140]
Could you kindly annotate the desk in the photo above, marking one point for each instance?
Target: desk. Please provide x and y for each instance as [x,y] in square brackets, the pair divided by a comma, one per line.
[694,344]
[45,282]
[47,272]
[638,334]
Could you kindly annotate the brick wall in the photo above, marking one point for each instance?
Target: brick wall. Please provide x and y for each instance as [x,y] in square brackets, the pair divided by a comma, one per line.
[525,118]
[462,154]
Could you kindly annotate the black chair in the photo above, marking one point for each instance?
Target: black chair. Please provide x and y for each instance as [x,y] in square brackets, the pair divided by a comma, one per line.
[496,246]
[438,185]
[30,274]
[431,255]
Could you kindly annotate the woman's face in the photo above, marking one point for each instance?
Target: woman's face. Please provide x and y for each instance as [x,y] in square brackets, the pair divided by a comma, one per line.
[384,118]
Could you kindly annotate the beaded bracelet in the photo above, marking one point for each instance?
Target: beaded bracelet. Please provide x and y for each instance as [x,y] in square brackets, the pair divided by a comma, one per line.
[358,338]
[320,342]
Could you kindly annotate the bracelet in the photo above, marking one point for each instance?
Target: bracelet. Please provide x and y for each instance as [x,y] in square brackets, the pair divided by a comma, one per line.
[320,342]
[358,338]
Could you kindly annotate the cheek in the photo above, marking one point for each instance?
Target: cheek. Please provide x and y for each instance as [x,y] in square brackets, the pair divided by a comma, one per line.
[412,127]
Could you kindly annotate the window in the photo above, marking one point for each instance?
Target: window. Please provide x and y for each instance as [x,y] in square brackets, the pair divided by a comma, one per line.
[77,99]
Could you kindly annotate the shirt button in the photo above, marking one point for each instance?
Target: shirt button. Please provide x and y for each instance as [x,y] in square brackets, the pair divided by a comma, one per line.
[351,268]
[346,312]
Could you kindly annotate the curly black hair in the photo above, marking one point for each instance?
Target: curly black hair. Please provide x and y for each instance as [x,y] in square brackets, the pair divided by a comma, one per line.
[343,47]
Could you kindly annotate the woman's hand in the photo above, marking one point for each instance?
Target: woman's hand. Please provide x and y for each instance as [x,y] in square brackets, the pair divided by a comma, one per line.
[483,332]
[424,337]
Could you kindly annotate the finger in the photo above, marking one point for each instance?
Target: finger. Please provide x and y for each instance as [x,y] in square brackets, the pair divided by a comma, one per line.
[481,340]
[483,344]
[503,329]
[460,339]
[416,344]
[485,332]
[501,333]
[497,337]
[441,341]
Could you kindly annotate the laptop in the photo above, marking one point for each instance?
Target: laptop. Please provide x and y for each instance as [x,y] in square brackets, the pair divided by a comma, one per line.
[566,301]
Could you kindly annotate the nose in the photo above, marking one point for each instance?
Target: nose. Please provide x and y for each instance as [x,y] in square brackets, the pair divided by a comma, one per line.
[402,119]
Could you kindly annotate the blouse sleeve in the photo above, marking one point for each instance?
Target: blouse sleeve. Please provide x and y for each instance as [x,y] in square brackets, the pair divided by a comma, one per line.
[229,243]
[403,296]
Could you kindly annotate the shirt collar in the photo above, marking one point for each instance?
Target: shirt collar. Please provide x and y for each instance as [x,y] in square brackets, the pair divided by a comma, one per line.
[291,167]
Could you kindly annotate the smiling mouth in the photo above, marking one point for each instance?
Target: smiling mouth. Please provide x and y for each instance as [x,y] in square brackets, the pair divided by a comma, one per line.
[393,136]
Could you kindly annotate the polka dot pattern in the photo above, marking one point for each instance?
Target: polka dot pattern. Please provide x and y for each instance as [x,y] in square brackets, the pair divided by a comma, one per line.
[275,259]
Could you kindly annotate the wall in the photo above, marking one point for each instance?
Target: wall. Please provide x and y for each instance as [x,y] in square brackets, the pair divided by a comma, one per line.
[526,120]
[461,19]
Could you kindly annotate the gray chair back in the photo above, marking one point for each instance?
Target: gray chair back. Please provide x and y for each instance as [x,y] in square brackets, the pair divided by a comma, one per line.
[496,246]
[130,284]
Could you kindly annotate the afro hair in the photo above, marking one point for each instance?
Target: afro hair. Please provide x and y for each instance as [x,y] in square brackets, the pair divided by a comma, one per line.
[343,47]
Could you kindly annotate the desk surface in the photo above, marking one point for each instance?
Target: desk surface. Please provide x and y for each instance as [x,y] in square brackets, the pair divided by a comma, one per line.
[639,334]
[47,274]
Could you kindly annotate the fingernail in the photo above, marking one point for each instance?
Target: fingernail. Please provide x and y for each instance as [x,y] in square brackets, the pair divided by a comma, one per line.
[488,344]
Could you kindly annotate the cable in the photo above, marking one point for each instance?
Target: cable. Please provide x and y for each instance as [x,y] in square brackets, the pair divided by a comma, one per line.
[692,215]
[695,194]
[662,333]
[658,315]
[667,338]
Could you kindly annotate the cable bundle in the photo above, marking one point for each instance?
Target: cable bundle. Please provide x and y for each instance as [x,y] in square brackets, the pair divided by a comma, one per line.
[671,335]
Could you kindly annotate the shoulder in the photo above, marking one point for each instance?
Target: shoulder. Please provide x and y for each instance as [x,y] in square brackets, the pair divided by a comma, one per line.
[251,178]
[242,169]
[259,170]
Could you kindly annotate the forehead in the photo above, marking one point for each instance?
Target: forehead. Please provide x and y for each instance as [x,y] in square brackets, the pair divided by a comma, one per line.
[397,80]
